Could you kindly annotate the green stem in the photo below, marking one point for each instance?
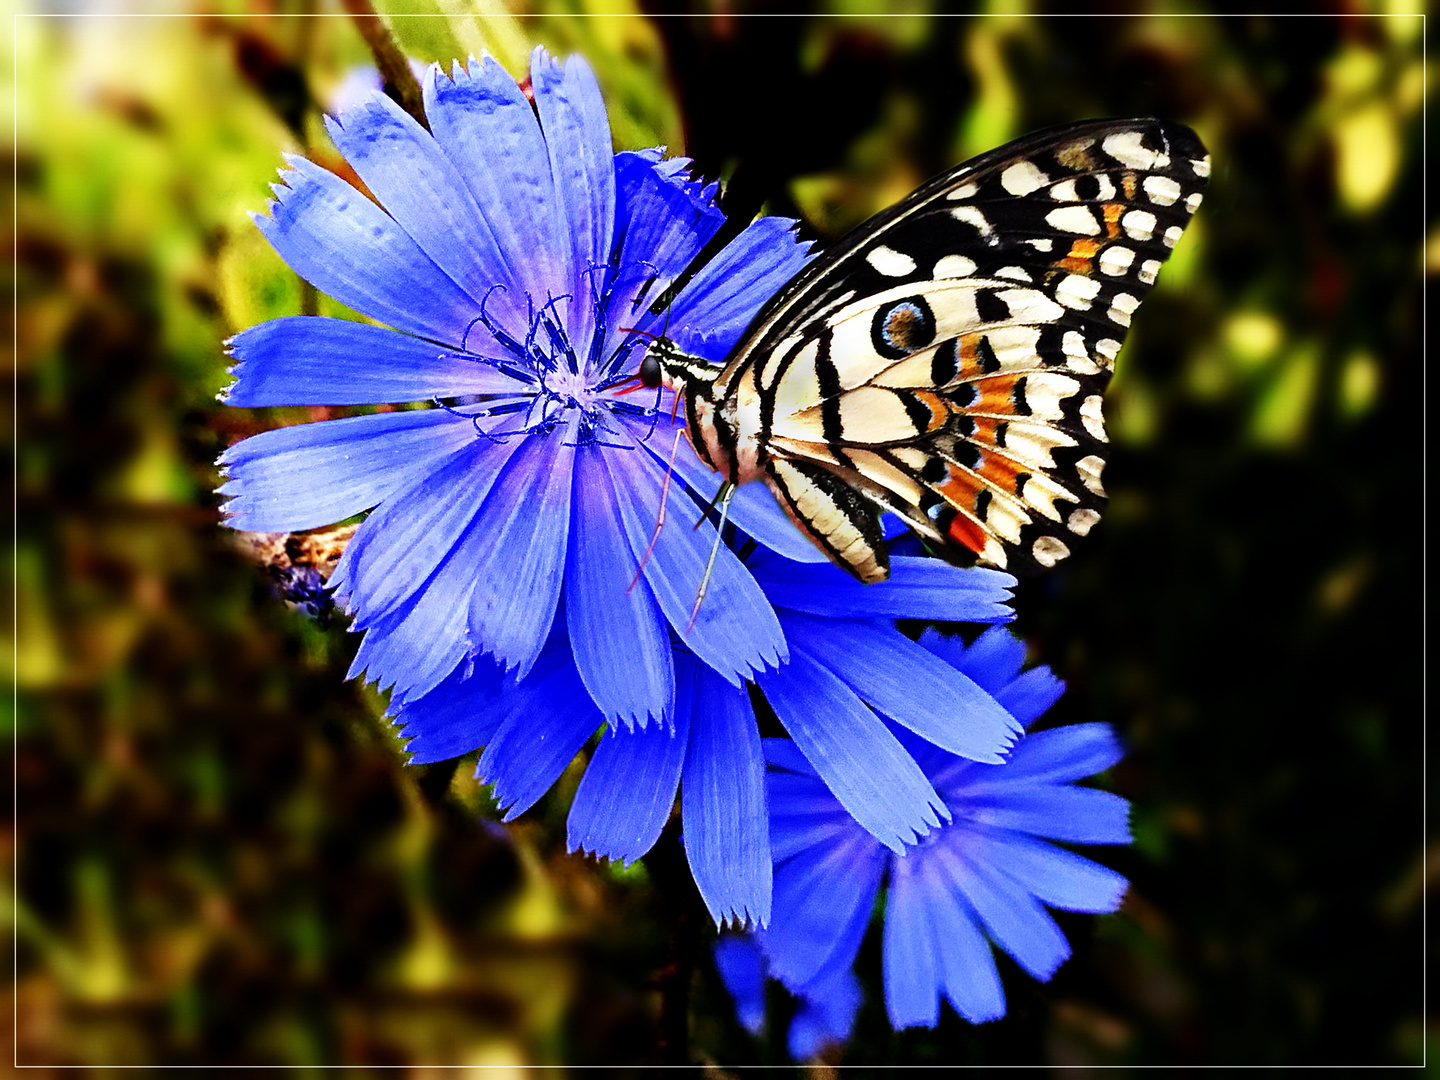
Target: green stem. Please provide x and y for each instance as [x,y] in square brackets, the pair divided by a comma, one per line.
[399,81]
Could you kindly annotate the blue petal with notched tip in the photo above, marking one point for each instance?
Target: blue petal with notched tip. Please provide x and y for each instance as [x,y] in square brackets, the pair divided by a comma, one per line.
[918,588]
[307,360]
[910,685]
[628,789]
[734,630]
[485,125]
[544,721]
[722,799]
[420,188]
[864,765]
[348,248]
[311,475]
[723,298]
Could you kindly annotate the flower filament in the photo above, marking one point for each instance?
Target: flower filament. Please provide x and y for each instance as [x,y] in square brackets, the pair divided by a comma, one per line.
[554,386]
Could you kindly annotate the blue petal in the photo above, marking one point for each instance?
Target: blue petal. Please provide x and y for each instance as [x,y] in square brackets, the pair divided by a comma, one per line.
[971,981]
[582,163]
[309,475]
[993,660]
[825,1016]
[628,790]
[662,221]
[486,126]
[918,588]
[1052,875]
[418,644]
[741,965]
[911,959]
[849,746]
[1062,754]
[1012,917]
[414,651]
[304,360]
[823,900]
[722,299]
[804,814]
[421,638]
[421,189]
[935,763]
[783,754]
[897,677]
[348,248]
[518,573]
[1075,815]
[924,892]
[722,802]
[398,548]
[753,508]
[544,721]
[678,169]
[735,631]
[1029,696]
[456,717]
[619,636]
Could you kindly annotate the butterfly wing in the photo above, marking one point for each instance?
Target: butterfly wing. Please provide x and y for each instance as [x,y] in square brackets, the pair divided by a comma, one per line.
[948,358]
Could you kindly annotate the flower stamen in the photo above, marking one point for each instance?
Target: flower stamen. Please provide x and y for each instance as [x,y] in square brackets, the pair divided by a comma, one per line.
[497,332]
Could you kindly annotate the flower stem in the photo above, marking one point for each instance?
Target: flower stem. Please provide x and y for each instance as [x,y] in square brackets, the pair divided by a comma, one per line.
[679,903]
[399,81]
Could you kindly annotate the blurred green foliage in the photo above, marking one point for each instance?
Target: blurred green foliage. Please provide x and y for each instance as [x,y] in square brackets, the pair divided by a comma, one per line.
[221,857]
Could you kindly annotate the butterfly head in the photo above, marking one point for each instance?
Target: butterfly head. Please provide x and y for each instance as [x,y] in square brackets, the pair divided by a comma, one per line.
[667,364]
[693,380]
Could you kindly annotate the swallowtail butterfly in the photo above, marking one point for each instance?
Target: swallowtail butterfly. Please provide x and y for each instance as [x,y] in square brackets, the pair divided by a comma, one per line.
[947,359]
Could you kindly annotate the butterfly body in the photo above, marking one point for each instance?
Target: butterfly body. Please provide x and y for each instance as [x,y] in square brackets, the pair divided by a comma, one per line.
[946,361]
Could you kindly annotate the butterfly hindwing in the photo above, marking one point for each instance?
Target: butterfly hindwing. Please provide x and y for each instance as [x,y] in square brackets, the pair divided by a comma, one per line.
[948,359]
[833,514]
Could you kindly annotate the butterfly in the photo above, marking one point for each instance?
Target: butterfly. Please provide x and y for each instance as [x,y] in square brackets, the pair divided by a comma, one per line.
[946,360]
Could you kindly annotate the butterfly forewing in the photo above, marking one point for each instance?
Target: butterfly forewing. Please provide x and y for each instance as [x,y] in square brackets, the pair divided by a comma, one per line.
[948,358]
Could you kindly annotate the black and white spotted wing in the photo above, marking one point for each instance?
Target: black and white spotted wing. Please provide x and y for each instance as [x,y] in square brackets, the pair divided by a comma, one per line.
[947,359]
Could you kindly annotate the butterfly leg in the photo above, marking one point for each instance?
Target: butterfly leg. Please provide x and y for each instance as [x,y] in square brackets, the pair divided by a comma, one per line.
[724,495]
[660,517]
[724,491]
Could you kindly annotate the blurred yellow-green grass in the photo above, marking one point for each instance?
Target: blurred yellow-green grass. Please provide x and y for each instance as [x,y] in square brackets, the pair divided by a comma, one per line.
[220,855]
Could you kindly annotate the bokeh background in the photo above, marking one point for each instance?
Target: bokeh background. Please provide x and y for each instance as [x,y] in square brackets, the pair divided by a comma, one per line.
[219,852]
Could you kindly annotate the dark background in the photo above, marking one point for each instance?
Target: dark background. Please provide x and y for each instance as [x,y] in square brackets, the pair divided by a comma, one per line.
[220,854]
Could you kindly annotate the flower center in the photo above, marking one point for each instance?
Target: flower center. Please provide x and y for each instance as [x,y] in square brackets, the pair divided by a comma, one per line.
[561,380]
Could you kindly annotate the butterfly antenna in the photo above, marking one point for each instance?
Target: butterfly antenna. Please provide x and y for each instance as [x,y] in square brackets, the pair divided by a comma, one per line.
[660,517]
[728,490]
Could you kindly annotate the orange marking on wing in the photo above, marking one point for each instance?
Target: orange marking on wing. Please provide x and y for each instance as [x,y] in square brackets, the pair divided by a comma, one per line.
[1000,471]
[939,409]
[996,395]
[965,531]
[1081,252]
[983,430]
[1113,212]
[961,491]
[969,355]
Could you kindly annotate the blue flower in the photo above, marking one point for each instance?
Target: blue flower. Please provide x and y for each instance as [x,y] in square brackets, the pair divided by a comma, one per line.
[513,263]
[847,661]
[984,877]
